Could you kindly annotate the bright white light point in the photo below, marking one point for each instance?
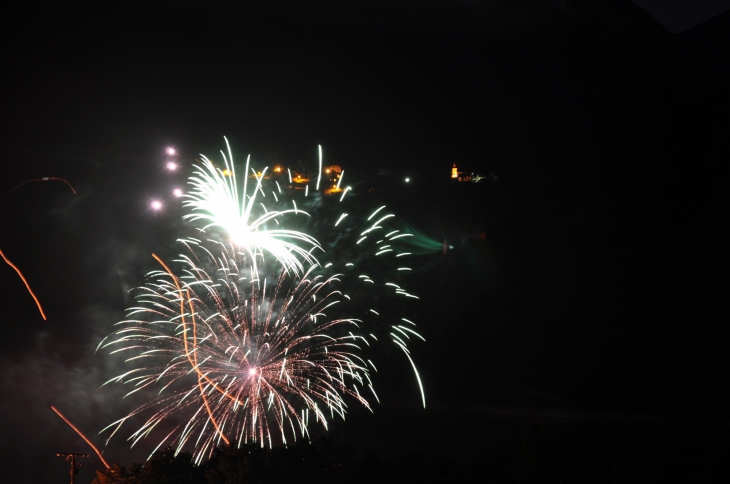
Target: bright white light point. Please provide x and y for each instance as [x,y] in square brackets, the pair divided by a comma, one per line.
[170,151]
[252,371]
[156,205]
[177,192]
[171,165]
[407,179]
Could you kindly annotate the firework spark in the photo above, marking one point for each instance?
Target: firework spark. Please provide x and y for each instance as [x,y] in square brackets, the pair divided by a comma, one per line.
[250,356]
[215,200]
[7,261]
[58,412]
[45,178]
[25,281]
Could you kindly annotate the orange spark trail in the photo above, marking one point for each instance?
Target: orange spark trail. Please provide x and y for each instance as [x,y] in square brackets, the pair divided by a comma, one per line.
[82,435]
[45,178]
[38,303]
[193,361]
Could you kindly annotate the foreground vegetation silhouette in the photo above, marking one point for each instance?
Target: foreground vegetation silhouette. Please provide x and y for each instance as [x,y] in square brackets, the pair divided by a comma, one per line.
[322,462]
[543,453]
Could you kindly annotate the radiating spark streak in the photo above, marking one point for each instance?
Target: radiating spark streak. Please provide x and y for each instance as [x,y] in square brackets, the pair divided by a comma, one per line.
[319,173]
[22,277]
[82,436]
[344,192]
[375,212]
[339,180]
[382,219]
[340,219]
[403,328]
[415,370]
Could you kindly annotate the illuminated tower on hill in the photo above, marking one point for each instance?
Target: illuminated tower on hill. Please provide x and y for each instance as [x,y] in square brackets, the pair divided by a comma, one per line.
[454,172]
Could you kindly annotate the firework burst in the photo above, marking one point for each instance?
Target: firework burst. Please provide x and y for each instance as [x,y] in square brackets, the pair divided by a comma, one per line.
[251,337]
[214,199]
[242,356]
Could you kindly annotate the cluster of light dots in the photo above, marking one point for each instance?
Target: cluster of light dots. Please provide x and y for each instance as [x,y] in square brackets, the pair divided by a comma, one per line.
[171,165]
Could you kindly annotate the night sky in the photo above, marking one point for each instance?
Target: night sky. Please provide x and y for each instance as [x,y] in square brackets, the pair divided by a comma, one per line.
[586,280]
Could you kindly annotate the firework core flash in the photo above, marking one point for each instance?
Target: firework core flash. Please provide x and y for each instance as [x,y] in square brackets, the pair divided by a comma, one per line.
[214,199]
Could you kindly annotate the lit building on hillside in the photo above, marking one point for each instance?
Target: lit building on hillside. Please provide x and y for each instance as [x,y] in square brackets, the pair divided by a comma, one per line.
[468,177]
